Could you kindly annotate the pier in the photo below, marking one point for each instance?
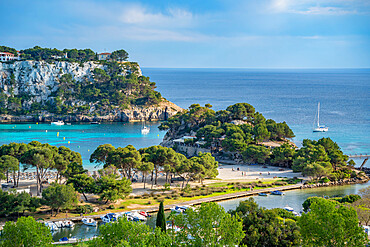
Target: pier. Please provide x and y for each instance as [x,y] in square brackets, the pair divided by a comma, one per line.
[357,156]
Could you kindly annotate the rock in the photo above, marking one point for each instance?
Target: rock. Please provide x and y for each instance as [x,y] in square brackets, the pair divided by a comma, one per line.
[39,80]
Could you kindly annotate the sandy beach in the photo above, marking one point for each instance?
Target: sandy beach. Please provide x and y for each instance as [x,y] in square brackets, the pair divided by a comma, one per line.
[227,173]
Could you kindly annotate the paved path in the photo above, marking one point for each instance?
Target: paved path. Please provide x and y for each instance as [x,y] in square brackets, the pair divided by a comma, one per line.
[208,199]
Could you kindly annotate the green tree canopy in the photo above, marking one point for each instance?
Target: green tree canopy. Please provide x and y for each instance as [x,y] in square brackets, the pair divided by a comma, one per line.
[330,224]
[111,189]
[26,232]
[265,227]
[59,196]
[209,225]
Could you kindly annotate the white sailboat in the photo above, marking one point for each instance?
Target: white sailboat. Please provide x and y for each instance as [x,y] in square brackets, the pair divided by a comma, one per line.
[319,128]
[145,130]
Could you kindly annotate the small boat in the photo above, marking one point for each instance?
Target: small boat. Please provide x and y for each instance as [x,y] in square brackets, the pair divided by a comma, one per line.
[68,123]
[145,130]
[59,224]
[109,217]
[135,216]
[63,239]
[51,225]
[57,123]
[319,128]
[145,214]
[94,123]
[262,194]
[174,227]
[277,193]
[69,224]
[289,209]
[180,209]
[89,221]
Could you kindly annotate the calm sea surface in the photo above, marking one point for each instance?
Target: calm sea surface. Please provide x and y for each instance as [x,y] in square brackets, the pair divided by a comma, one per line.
[283,95]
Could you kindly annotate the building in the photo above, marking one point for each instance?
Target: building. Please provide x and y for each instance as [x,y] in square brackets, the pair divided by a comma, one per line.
[104,56]
[7,56]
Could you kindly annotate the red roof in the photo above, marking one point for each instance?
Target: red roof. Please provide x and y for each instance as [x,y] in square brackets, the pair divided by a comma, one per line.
[7,53]
[105,53]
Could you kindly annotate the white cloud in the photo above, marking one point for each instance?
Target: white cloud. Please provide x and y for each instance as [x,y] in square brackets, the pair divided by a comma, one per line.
[320,7]
[172,17]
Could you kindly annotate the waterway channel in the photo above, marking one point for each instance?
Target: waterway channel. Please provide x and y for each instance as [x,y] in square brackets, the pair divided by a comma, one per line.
[293,198]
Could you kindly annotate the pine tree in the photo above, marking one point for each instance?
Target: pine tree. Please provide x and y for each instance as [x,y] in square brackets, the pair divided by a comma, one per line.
[161,218]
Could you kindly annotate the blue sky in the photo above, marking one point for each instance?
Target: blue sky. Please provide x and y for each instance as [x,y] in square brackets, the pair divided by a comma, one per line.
[194,33]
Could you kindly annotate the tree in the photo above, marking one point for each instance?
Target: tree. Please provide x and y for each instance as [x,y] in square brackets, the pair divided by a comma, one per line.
[264,227]
[145,168]
[111,189]
[82,184]
[10,164]
[330,224]
[209,225]
[241,110]
[127,233]
[317,169]
[125,159]
[26,232]
[100,154]
[59,196]
[119,55]
[256,154]
[283,155]
[74,168]
[161,218]
[41,156]
[260,132]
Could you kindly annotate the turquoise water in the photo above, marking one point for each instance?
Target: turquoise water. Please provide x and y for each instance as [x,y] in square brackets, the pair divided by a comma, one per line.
[283,95]
[83,138]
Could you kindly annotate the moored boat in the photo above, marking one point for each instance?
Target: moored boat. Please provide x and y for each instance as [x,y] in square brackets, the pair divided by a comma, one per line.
[180,209]
[262,194]
[290,209]
[145,130]
[59,224]
[319,128]
[51,225]
[57,123]
[277,193]
[89,221]
[69,224]
[109,217]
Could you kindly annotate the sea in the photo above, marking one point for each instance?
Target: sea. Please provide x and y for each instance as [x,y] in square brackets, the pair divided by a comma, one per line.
[289,95]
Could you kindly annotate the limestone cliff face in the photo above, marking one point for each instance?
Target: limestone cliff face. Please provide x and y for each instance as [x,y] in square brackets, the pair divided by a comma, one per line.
[39,80]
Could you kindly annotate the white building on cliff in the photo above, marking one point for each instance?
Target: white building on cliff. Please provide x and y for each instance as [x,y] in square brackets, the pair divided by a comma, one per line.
[7,56]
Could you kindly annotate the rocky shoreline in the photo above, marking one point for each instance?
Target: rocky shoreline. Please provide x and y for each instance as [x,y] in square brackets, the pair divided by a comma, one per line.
[159,112]
[337,183]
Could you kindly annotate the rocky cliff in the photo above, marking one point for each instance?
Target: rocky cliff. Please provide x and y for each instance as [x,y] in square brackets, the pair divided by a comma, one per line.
[25,85]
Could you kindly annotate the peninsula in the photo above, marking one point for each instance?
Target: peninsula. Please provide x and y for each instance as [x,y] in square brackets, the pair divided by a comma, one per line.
[42,85]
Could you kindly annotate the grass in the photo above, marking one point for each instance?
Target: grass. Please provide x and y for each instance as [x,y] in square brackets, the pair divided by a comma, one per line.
[141,203]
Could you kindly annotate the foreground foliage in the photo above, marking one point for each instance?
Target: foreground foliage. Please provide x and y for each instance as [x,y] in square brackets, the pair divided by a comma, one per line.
[209,225]
[264,227]
[330,224]
[26,232]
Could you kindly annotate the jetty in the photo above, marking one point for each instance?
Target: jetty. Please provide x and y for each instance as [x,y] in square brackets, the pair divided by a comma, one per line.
[225,197]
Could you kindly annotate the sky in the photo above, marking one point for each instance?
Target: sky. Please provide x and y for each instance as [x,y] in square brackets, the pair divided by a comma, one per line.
[199,33]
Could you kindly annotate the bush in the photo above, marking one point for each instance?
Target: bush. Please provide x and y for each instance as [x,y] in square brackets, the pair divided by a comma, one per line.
[111,207]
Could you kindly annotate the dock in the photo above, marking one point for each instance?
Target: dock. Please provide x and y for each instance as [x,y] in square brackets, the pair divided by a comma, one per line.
[225,197]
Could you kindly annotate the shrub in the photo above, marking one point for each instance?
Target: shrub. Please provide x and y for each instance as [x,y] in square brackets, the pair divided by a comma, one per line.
[111,207]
